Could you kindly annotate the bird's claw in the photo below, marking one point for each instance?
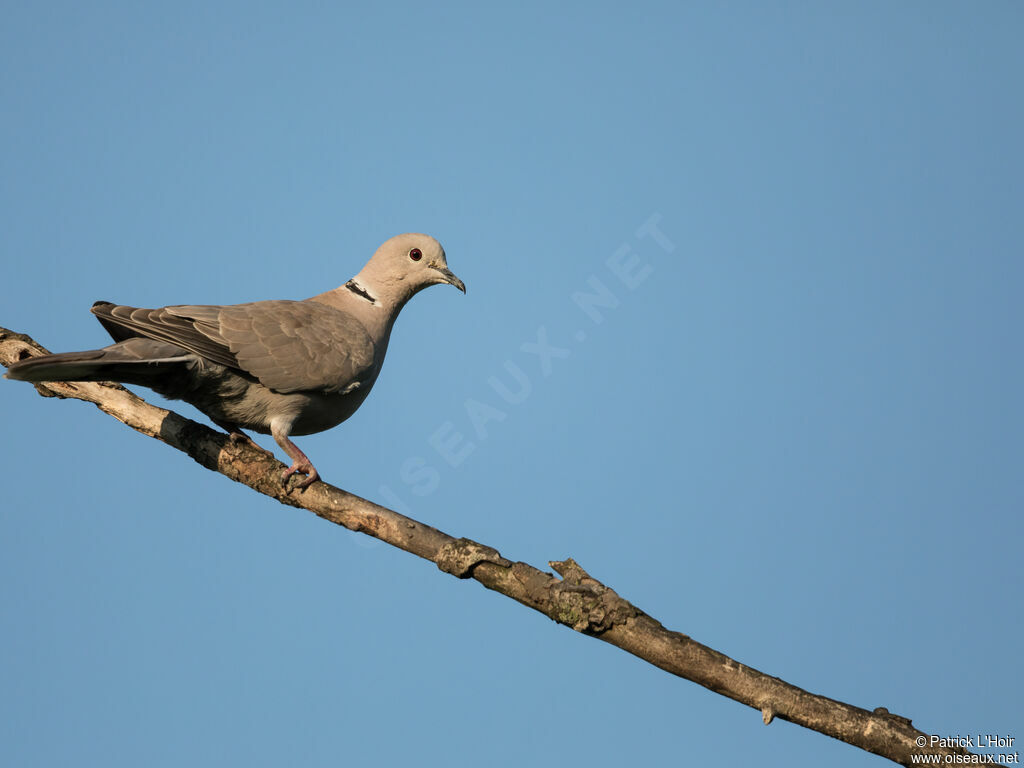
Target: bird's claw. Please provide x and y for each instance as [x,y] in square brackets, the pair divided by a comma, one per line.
[301,468]
[237,438]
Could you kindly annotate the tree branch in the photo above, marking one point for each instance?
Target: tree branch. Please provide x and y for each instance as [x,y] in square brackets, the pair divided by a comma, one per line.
[576,600]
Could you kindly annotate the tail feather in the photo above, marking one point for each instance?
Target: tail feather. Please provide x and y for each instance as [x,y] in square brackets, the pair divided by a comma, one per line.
[67,366]
[133,361]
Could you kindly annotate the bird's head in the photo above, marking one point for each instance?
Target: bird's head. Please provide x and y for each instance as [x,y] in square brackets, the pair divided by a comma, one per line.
[407,264]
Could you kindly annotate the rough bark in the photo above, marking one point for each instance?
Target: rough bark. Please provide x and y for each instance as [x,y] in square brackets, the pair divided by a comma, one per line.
[576,600]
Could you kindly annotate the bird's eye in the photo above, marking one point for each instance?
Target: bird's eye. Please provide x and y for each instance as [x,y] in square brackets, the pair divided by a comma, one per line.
[415,254]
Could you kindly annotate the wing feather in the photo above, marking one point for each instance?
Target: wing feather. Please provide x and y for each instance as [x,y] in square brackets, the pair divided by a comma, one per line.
[289,346]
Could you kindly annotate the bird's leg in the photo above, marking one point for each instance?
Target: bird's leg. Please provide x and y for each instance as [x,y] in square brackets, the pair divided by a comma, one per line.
[238,437]
[300,462]
[234,432]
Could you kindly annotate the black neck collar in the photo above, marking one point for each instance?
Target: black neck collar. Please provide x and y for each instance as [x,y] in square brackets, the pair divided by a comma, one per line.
[358,290]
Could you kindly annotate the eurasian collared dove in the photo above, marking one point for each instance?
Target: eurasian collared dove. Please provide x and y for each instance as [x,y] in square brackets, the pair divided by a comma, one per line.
[283,367]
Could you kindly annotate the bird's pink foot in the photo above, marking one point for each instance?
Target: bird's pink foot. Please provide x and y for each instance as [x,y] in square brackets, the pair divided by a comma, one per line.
[235,433]
[301,467]
[239,438]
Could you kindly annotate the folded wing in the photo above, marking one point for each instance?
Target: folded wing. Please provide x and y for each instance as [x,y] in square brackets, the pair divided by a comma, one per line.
[289,346]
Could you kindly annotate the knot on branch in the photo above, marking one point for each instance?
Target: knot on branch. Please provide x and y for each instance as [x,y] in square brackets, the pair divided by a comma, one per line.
[461,556]
[15,347]
[886,713]
[585,604]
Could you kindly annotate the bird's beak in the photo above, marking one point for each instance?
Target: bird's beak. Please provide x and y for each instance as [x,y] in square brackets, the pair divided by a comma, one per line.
[449,277]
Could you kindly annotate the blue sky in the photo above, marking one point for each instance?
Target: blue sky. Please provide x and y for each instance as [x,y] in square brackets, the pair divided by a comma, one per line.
[796,436]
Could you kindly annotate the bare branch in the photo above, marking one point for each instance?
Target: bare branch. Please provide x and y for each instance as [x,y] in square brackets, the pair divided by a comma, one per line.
[576,600]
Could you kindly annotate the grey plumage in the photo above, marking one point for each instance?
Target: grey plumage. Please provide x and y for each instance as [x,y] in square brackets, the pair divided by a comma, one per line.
[279,367]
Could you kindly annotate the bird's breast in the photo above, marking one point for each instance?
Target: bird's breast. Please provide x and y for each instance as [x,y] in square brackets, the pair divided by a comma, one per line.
[322,411]
[226,396]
